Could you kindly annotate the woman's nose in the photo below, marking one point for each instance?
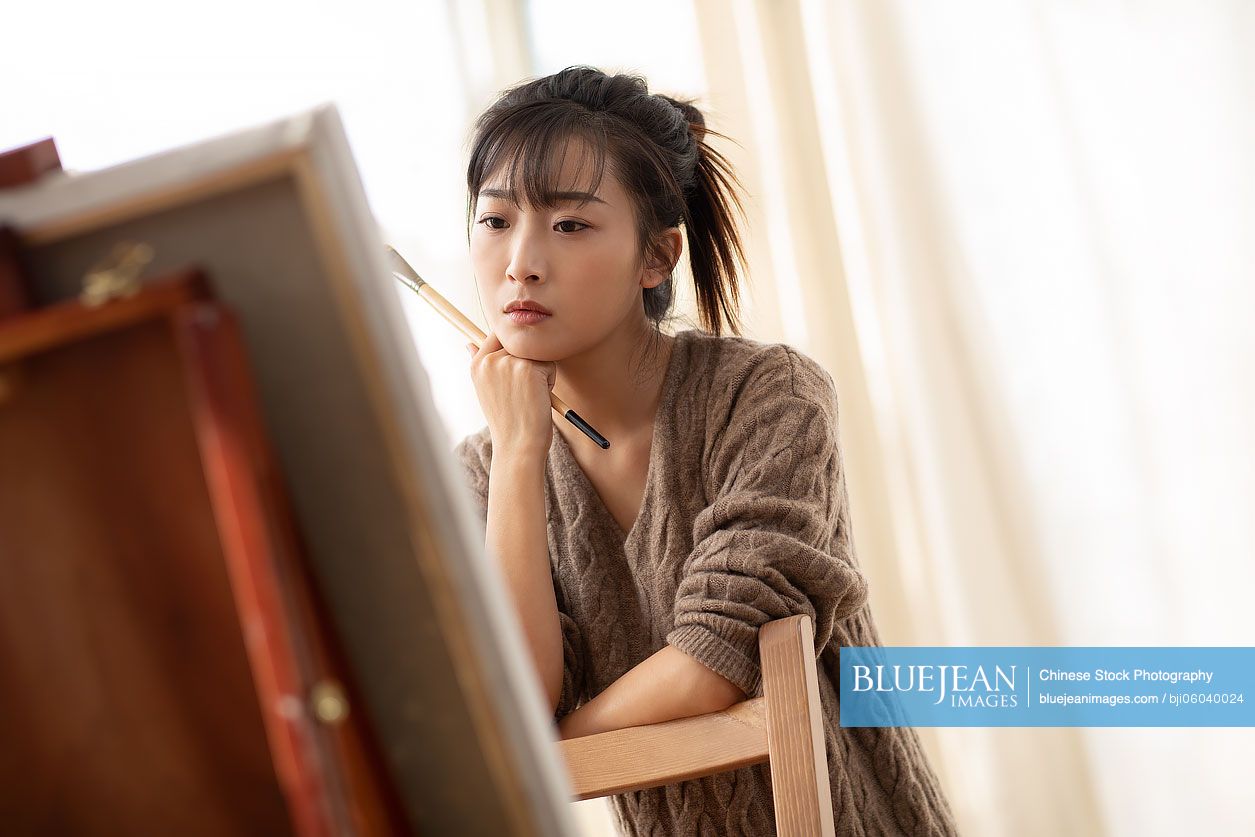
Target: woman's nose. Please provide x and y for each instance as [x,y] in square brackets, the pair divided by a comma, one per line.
[526,263]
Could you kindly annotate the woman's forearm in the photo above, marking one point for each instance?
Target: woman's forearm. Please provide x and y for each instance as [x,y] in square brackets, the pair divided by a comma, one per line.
[517,535]
[667,685]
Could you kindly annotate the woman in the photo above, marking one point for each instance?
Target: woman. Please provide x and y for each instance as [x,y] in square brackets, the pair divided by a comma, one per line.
[642,573]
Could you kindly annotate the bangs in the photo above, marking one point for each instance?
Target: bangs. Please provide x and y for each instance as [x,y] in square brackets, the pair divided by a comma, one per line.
[532,145]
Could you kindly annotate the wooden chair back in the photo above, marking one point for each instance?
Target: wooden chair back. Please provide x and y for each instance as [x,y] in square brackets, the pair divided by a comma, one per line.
[784,728]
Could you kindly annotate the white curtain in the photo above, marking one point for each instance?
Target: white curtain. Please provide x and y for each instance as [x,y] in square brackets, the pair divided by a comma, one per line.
[1019,234]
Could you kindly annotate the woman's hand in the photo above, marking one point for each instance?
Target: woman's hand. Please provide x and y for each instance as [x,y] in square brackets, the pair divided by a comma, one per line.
[514,395]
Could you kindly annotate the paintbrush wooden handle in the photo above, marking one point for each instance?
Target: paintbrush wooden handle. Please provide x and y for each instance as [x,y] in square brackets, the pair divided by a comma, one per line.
[465,325]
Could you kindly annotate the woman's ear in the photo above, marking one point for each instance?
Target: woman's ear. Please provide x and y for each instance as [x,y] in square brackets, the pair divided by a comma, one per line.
[671,242]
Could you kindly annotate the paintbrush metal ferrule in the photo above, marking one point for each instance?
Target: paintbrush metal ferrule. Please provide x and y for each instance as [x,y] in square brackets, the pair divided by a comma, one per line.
[408,282]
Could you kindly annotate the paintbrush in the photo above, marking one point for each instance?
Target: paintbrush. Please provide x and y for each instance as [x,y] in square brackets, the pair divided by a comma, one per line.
[409,277]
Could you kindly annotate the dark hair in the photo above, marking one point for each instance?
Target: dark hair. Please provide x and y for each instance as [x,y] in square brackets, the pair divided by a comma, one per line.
[657,148]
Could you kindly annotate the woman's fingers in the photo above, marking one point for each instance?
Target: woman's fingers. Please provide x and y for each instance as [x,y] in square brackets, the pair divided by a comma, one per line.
[491,343]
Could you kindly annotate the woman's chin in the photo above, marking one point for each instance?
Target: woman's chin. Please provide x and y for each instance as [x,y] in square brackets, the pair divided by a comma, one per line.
[530,346]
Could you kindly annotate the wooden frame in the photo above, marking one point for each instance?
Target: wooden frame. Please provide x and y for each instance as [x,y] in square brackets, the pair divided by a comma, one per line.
[783,728]
[240,593]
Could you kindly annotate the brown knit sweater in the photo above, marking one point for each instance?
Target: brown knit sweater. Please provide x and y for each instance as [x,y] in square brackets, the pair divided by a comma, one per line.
[745,519]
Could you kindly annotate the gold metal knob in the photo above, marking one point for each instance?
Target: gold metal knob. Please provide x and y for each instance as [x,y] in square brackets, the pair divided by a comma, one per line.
[328,701]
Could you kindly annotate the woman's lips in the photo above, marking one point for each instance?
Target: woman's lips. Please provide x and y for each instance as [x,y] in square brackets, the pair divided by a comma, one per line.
[525,316]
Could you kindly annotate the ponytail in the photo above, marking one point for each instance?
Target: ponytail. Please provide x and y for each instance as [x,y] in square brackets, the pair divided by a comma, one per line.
[714,243]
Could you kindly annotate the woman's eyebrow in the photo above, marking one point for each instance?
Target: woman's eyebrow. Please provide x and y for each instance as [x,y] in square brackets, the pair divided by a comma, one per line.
[558,197]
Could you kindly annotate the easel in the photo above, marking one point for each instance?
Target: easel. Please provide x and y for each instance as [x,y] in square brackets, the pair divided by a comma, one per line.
[167,664]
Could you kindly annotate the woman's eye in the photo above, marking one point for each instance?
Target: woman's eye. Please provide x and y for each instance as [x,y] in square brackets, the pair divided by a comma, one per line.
[485,221]
[560,223]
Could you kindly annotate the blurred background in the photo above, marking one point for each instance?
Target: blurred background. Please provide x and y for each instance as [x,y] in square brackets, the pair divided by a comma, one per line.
[1018,234]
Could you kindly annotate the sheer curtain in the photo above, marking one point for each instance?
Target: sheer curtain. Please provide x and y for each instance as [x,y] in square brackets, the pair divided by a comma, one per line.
[1019,234]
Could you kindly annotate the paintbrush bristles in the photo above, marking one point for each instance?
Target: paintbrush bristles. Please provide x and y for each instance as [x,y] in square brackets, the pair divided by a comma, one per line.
[401,266]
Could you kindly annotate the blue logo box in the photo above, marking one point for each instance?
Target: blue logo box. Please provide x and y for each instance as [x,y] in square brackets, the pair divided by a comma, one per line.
[1047,686]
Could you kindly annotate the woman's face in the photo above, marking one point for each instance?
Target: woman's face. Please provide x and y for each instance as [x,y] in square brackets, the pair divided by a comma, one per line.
[579,262]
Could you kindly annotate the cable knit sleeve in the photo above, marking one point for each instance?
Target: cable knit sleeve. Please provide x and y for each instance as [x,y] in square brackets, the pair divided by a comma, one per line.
[775,539]
[475,455]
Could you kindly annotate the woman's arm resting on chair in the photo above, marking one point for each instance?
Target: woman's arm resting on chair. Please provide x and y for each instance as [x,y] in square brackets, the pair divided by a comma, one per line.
[668,685]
